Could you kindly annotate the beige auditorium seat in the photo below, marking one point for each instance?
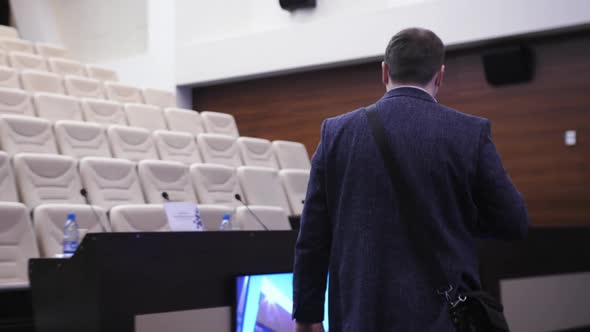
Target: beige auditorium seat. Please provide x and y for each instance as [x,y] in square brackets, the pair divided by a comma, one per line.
[16,102]
[212,215]
[63,67]
[160,98]
[83,87]
[220,123]
[177,146]
[111,182]
[274,218]
[47,179]
[16,45]
[145,116]
[291,155]
[101,73]
[295,184]
[9,78]
[82,139]
[8,32]
[17,245]
[22,60]
[170,177]
[123,93]
[257,152]
[216,184]
[8,192]
[26,134]
[132,143]
[54,107]
[49,223]
[139,218]
[39,81]
[105,112]
[219,149]
[262,186]
[47,50]
[4,61]
[184,120]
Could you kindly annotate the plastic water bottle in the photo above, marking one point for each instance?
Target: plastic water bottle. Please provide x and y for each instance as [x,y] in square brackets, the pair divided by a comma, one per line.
[70,242]
[225,223]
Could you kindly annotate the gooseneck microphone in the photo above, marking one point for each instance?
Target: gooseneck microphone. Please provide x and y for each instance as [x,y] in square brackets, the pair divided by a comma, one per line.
[84,194]
[165,196]
[239,198]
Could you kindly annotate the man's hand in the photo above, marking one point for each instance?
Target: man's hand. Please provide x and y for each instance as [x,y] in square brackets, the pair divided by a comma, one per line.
[307,327]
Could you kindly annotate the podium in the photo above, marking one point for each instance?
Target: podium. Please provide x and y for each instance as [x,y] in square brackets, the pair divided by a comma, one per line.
[115,276]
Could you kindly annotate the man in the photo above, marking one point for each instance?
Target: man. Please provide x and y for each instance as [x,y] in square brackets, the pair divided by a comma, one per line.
[352,226]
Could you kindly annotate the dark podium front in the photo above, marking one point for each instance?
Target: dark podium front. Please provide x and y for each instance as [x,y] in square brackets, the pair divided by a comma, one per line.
[115,276]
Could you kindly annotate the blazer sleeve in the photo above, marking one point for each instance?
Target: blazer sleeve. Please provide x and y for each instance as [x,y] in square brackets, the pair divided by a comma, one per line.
[312,250]
[501,209]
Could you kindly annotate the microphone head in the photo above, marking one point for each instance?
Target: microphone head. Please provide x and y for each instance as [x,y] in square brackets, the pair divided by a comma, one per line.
[83,192]
[238,197]
[165,195]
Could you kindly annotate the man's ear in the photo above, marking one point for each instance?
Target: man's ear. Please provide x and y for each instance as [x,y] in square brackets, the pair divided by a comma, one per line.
[439,76]
[384,73]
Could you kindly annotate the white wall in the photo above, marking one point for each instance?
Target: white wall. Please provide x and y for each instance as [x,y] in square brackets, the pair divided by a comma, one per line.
[224,40]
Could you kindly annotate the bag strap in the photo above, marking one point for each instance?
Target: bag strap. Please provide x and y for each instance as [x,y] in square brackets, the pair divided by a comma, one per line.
[410,211]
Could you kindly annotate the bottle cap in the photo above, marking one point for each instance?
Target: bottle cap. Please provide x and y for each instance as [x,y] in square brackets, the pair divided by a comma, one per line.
[226,216]
[72,216]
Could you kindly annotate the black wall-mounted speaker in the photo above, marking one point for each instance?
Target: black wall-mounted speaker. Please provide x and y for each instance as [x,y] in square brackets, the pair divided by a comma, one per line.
[509,65]
[297,4]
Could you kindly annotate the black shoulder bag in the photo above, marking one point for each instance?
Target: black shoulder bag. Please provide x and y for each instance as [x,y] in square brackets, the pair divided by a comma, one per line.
[470,310]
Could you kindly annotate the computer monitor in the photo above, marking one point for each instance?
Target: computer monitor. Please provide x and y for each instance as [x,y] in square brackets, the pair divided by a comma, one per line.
[265,303]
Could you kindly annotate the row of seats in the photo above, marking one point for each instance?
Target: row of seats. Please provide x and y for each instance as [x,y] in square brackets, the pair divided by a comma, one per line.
[20,134]
[83,87]
[108,182]
[22,239]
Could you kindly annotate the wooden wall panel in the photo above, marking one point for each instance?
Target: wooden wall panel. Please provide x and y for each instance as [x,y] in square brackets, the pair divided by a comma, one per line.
[529,120]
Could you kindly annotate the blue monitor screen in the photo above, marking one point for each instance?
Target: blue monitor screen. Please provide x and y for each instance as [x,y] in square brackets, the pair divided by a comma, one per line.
[265,303]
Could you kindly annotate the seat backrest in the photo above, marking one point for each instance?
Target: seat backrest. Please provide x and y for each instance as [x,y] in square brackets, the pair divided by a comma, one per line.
[145,116]
[17,245]
[212,215]
[83,87]
[101,73]
[8,32]
[110,182]
[9,78]
[158,176]
[219,149]
[123,93]
[132,143]
[274,218]
[184,120]
[295,184]
[62,67]
[220,123]
[39,81]
[262,186]
[54,107]
[8,192]
[51,50]
[16,45]
[16,102]
[105,112]
[177,146]
[82,139]
[26,134]
[47,179]
[216,184]
[257,152]
[139,218]
[22,60]
[4,61]
[160,98]
[49,223]
[291,155]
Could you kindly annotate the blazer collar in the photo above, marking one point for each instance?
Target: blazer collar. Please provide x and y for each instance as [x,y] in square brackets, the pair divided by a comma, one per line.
[409,91]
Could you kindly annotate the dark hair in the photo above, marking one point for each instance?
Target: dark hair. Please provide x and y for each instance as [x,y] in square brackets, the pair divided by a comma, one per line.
[414,55]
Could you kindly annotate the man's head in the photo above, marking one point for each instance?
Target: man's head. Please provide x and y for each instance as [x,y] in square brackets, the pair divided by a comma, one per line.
[414,56]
